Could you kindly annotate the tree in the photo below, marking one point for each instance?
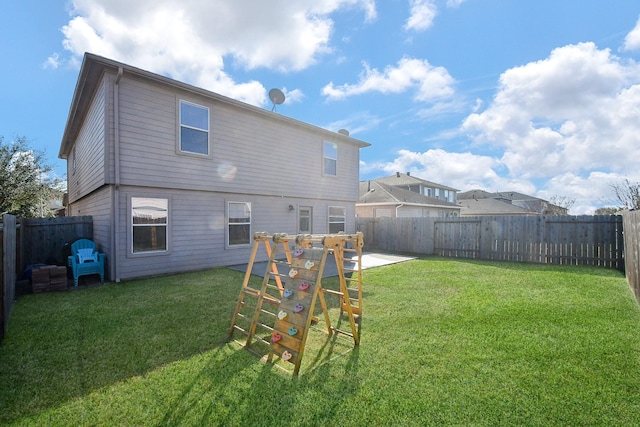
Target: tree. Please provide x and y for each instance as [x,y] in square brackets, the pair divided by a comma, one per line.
[25,186]
[607,210]
[559,205]
[627,193]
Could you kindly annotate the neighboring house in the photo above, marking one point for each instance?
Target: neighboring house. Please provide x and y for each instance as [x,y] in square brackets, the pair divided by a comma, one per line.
[479,203]
[403,195]
[178,178]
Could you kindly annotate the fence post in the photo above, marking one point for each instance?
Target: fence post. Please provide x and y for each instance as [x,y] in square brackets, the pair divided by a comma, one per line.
[8,279]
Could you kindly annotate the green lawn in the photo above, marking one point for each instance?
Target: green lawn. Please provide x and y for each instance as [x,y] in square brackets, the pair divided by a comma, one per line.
[443,342]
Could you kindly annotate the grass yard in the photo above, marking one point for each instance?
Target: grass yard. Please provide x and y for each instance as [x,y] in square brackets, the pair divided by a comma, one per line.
[443,342]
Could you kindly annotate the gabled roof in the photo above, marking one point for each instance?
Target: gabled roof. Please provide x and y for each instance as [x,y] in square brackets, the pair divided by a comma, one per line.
[94,66]
[488,206]
[475,194]
[403,179]
[508,195]
[375,192]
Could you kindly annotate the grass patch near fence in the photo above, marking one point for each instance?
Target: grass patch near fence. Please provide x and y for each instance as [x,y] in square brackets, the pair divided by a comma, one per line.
[443,342]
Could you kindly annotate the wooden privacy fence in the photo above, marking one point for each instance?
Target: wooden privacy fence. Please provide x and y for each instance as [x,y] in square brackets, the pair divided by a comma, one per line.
[46,240]
[631,224]
[573,240]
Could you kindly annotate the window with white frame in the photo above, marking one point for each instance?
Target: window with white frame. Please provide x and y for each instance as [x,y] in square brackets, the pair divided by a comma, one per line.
[337,219]
[149,222]
[194,128]
[304,220]
[239,223]
[330,158]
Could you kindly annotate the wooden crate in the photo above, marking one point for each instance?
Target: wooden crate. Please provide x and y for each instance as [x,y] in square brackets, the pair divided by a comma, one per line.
[48,278]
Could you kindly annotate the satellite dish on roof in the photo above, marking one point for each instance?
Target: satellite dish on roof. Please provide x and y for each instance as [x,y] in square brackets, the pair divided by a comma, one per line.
[344,132]
[277,97]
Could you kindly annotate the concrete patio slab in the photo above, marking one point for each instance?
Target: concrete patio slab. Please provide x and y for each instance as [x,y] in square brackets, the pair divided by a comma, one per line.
[369,260]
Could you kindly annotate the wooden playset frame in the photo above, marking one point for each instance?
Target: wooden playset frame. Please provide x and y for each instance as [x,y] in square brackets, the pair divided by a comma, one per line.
[293,295]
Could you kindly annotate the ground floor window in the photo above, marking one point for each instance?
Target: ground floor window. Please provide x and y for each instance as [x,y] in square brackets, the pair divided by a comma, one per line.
[239,223]
[149,221]
[304,220]
[337,219]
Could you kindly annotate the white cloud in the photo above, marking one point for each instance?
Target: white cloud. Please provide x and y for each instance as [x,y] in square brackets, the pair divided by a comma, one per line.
[577,110]
[454,3]
[459,170]
[571,120]
[566,126]
[430,83]
[422,14]
[632,40]
[52,62]
[293,96]
[356,123]
[193,40]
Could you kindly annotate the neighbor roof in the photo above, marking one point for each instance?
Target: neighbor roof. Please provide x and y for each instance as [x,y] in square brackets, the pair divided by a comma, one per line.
[375,192]
[403,179]
[508,195]
[490,206]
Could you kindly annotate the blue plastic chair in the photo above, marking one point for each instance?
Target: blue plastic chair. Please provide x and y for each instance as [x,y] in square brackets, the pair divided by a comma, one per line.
[85,260]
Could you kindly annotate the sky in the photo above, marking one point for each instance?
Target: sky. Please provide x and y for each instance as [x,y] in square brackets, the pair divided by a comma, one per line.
[539,97]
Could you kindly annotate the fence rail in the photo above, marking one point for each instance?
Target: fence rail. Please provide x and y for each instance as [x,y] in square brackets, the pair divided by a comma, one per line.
[572,240]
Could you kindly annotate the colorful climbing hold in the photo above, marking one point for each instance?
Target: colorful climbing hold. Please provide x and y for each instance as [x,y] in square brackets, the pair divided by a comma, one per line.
[298,308]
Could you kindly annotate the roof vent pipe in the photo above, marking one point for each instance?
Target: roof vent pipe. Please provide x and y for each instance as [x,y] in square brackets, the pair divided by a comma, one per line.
[408,173]
[397,174]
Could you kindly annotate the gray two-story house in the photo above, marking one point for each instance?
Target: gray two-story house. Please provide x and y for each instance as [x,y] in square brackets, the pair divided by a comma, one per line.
[179,178]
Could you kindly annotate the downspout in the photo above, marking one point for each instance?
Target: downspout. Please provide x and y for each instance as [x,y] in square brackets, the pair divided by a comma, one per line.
[398,207]
[116,193]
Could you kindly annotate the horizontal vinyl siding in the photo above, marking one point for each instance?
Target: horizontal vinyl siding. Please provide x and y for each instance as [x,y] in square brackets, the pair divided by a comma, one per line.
[89,150]
[98,206]
[269,157]
[411,212]
[197,229]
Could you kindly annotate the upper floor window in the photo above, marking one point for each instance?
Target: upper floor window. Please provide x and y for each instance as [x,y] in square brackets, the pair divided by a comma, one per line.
[330,155]
[194,128]
[149,222]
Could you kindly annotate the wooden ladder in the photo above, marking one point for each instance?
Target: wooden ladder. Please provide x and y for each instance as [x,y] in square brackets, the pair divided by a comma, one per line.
[293,303]
[251,298]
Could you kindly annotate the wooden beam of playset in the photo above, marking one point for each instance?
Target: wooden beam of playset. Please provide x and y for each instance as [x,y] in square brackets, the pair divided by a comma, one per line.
[297,298]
